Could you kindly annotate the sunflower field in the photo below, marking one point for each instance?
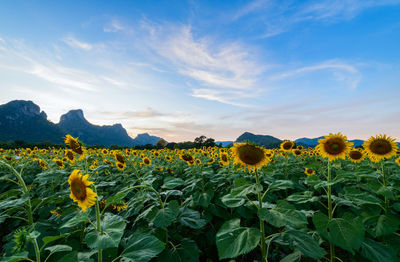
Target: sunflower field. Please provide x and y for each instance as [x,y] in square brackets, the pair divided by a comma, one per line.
[333,202]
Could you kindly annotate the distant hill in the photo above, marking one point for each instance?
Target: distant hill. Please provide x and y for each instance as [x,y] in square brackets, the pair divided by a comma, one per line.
[75,124]
[23,120]
[312,142]
[261,140]
[144,139]
[224,143]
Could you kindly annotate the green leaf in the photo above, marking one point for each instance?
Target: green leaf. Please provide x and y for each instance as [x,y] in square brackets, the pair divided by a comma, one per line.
[80,217]
[165,216]
[233,201]
[305,244]
[302,198]
[203,199]
[279,217]
[172,182]
[187,251]
[117,198]
[345,233]
[58,248]
[191,218]
[4,204]
[377,252]
[293,257]
[15,258]
[112,229]
[387,224]
[142,248]
[281,184]
[233,240]
[49,239]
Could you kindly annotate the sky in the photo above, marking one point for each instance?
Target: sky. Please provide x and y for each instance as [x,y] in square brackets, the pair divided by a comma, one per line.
[179,69]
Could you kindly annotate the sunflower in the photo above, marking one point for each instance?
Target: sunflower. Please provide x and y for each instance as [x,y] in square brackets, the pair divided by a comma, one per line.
[80,191]
[59,163]
[120,166]
[212,160]
[187,157]
[74,144]
[146,161]
[104,151]
[70,155]
[120,158]
[398,161]
[296,152]
[224,158]
[287,145]
[334,146]
[380,147]
[249,155]
[309,172]
[356,155]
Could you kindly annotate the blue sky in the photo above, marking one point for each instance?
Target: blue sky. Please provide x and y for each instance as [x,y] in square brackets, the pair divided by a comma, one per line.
[181,69]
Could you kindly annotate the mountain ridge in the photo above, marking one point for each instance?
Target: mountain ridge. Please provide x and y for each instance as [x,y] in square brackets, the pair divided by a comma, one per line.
[23,120]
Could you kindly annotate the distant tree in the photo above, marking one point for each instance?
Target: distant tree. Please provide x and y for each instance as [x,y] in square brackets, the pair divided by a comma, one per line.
[161,143]
[200,140]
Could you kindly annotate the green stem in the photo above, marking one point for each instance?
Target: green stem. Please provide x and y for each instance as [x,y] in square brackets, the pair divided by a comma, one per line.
[98,224]
[384,184]
[330,210]
[262,229]
[29,204]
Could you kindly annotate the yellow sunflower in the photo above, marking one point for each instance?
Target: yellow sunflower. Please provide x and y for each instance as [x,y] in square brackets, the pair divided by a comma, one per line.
[74,144]
[120,166]
[70,156]
[187,157]
[296,152]
[334,146]
[224,158]
[249,155]
[146,161]
[59,163]
[309,172]
[80,191]
[356,155]
[398,161]
[119,157]
[287,145]
[380,147]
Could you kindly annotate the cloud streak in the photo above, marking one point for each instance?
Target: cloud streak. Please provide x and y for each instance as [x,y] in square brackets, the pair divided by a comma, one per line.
[217,66]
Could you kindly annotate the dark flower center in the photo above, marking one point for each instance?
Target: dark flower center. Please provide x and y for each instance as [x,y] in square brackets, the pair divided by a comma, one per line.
[380,147]
[250,154]
[334,146]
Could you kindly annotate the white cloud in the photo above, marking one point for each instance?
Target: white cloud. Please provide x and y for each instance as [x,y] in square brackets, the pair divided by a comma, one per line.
[280,16]
[217,66]
[75,43]
[341,71]
[113,26]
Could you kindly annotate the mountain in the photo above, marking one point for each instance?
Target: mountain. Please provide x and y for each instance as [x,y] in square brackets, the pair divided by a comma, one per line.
[23,120]
[262,140]
[75,124]
[308,141]
[144,139]
[314,141]
[224,143]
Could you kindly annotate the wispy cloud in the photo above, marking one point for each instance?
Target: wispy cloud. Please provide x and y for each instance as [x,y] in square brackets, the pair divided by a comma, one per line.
[113,26]
[147,113]
[280,16]
[213,64]
[341,71]
[75,43]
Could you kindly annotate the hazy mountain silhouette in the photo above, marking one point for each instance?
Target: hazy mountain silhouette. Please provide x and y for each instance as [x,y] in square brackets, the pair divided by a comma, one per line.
[23,120]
